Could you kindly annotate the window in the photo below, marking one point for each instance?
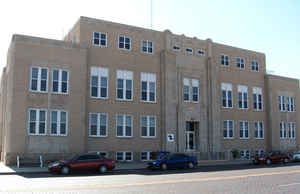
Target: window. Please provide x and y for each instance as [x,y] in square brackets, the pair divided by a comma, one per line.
[100,39]
[98,124]
[59,123]
[124,85]
[201,52]
[124,156]
[147,46]
[259,152]
[254,66]
[225,60]
[228,127]
[186,90]
[243,97]
[257,99]
[147,156]
[281,103]
[37,122]
[124,125]
[195,90]
[99,82]
[227,95]
[189,51]
[259,130]
[245,154]
[240,63]
[282,130]
[60,79]
[292,130]
[39,79]
[244,129]
[148,87]
[176,48]
[124,42]
[290,104]
[148,126]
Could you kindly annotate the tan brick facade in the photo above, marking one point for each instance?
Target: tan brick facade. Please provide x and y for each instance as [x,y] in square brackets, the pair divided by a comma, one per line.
[188,95]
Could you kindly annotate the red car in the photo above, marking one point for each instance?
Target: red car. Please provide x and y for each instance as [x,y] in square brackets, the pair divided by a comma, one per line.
[272,157]
[88,161]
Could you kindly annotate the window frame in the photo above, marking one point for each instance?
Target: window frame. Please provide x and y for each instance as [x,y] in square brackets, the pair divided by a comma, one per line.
[124,85]
[147,47]
[257,91]
[255,64]
[240,63]
[124,156]
[148,126]
[261,127]
[98,124]
[100,45]
[60,72]
[37,122]
[189,51]
[224,87]
[39,79]
[58,122]
[228,60]
[148,82]
[283,130]
[228,129]
[148,156]
[124,36]
[241,89]
[201,52]
[124,126]
[99,82]
[244,129]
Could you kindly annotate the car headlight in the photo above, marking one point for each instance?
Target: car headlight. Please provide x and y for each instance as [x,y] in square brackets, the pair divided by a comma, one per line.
[154,163]
[53,164]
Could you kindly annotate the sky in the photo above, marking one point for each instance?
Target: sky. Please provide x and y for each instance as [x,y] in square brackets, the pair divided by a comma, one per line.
[268,26]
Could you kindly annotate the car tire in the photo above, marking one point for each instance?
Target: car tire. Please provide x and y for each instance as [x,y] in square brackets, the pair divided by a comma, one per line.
[163,166]
[269,162]
[286,160]
[65,170]
[191,165]
[102,169]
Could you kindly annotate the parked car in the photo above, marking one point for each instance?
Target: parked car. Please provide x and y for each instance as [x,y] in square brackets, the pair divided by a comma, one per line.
[88,161]
[175,160]
[272,157]
[295,157]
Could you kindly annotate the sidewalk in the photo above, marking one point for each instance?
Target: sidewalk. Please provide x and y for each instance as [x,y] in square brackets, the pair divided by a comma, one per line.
[6,170]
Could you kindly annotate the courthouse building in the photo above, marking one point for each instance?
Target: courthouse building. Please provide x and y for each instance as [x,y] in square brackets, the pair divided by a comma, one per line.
[126,92]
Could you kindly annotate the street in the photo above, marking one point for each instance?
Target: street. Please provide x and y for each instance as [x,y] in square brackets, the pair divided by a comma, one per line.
[277,178]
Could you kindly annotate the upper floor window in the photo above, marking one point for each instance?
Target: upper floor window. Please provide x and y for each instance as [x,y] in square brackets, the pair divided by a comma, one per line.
[290,104]
[282,130]
[227,95]
[243,97]
[39,79]
[59,123]
[99,82]
[124,125]
[244,129]
[201,52]
[60,79]
[147,46]
[281,103]
[189,51]
[228,128]
[225,60]
[98,124]
[100,39]
[190,84]
[254,66]
[240,63]
[257,99]
[37,122]
[124,85]
[148,87]
[292,130]
[124,42]
[259,130]
[148,126]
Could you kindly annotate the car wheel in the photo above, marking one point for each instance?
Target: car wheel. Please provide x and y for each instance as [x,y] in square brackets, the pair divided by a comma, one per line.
[269,162]
[65,170]
[286,160]
[102,169]
[164,167]
[191,165]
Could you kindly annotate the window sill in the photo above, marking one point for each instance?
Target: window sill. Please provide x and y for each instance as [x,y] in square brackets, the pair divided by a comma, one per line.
[228,138]
[41,92]
[124,100]
[60,93]
[125,137]
[148,137]
[99,98]
[98,136]
[57,135]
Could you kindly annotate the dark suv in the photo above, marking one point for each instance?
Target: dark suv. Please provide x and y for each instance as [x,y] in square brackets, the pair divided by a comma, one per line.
[88,161]
[272,157]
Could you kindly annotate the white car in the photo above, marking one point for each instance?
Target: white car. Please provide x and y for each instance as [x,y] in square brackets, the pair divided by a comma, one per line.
[296,157]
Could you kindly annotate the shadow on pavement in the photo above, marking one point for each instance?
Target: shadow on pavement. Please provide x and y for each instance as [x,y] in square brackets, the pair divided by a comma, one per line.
[148,172]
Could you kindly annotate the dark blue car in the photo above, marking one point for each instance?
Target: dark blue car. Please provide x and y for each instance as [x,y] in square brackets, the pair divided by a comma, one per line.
[173,161]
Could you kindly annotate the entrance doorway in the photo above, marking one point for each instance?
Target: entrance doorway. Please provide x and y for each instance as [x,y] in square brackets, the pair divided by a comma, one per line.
[190,135]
